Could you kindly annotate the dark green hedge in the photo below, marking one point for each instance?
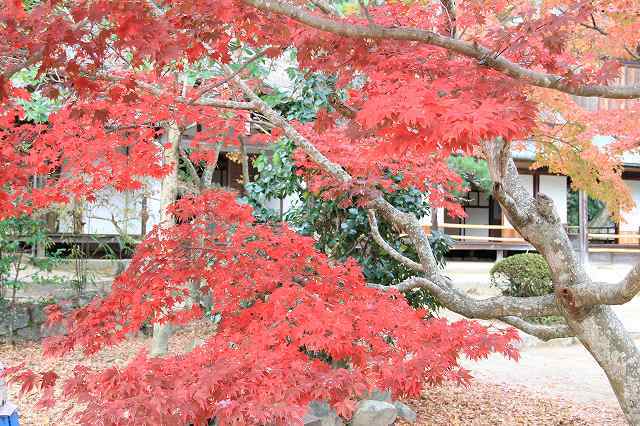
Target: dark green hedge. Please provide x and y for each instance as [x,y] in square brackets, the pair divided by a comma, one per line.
[522,275]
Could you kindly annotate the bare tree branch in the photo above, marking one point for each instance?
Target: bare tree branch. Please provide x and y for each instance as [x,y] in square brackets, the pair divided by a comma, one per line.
[365,10]
[326,7]
[450,7]
[608,294]
[375,232]
[543,332]
[193,173]
[204,90]
[482,54]
[207,175]
[490,308]
[212,102]
[594,26]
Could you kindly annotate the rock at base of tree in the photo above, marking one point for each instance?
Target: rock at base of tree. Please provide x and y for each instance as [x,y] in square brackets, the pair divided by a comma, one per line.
[311,420]
[378,395]
[322,411]
[405,412]
[374,413]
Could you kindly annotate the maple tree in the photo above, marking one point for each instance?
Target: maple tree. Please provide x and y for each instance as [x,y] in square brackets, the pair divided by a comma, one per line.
[424,80]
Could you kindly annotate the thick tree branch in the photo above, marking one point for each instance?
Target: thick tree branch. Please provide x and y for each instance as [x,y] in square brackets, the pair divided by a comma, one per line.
[542,332]
[326,7]
[491,308]
[212,102]
[450,8]
[375,232]
[608,294]
[193,173]
[534,218]
[483,55]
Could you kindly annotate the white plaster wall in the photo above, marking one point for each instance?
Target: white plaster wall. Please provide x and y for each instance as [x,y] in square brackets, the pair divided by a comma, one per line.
[631,219]
[126,208]
[287,203]
[556,188]
[477,216]
[426,219]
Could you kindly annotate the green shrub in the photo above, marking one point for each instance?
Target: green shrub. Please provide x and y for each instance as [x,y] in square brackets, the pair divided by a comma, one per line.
[522,275]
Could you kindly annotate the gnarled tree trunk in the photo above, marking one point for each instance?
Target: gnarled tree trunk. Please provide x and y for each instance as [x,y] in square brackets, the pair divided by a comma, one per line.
[168,194]
[596,326]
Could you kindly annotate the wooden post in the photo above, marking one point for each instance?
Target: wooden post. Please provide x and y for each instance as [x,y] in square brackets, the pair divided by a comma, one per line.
[583,225]
[144,216]
[39,249]
[434,219]
[245,163]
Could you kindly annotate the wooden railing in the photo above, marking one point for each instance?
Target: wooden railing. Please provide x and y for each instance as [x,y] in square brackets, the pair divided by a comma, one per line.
[489,239]
[471,226]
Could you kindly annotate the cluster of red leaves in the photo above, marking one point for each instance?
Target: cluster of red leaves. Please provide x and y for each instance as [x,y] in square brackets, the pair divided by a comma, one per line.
[372,168]
[110,138]
[409,114]
[409,99]
[295,327]
[415,100]
[77,154]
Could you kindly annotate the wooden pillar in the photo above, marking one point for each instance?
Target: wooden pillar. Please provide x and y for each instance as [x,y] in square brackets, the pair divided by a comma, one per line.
[434,219]
[144,216]
[583,227]
[536,183]
[245,163]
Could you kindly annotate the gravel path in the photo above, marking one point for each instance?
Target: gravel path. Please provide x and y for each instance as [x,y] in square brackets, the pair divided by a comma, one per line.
[567,372]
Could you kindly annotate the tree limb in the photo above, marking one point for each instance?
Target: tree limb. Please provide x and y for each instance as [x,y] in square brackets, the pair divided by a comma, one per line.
[326,7]
[482,54]
[207,175]
[191,169]
[608,294]
[542,332]
[212,102]
[203,91]
[490,308]
[375,232]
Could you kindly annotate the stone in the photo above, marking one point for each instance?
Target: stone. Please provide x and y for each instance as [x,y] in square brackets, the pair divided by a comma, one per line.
[405,412]
[370,412]
[30,318]
[378,395]
[326,414]
[311,420]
